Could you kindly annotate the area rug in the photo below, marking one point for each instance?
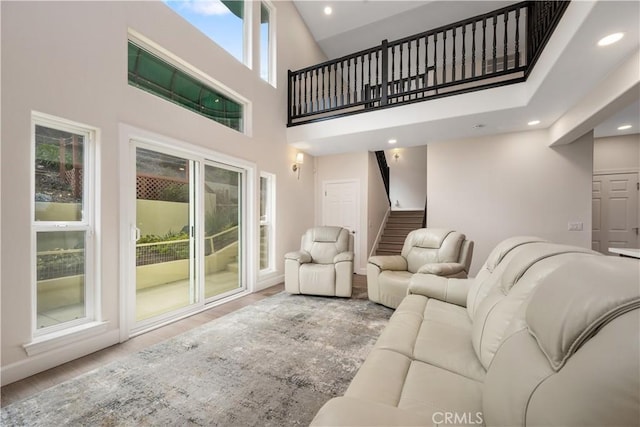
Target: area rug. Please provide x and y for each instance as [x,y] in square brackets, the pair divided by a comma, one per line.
[273,363]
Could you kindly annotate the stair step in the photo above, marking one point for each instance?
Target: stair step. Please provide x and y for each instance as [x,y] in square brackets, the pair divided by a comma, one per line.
[389,247]
[386,252]
[387,238]
[406,213]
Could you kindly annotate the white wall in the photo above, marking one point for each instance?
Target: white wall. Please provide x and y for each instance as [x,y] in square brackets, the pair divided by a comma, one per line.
[407,177]
[495,187]
[69,59]
[617,154]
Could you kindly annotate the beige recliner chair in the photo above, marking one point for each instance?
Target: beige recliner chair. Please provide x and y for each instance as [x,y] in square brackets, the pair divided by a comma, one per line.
[441,252]
[323,265]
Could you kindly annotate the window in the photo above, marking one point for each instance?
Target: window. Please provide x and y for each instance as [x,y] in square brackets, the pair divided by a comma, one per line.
[267,221]
[152,74]
[64,276]
[220,20]
[266,37]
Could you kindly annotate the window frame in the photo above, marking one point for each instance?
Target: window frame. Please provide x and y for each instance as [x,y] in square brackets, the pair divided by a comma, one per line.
[87,224]
[271,48]
[269,221]
[205,79]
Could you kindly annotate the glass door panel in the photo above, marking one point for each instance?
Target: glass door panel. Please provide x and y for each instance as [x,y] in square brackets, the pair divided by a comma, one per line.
[165,249]
[223,230]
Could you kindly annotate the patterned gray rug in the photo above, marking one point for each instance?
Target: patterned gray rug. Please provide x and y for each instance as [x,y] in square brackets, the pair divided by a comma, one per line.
[275,362]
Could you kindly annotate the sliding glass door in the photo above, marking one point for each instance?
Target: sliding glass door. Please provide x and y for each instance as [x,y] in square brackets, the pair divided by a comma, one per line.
[223,229]
[188,232]
[165,225]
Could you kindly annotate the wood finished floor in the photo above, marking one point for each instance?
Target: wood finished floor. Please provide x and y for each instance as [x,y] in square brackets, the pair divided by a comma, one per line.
[29,386]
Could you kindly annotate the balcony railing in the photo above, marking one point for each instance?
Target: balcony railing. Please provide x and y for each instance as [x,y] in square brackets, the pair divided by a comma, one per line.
[489,50]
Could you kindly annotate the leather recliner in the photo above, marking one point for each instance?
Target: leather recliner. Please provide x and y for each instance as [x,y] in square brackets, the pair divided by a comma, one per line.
[323,265]
[433,251]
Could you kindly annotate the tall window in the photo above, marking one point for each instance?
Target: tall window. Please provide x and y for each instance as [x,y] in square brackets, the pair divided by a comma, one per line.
[62,224]
[266,47]
[267,221]
[220,20]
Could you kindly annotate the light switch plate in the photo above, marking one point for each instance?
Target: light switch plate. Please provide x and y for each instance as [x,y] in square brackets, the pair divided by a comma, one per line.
[576,226]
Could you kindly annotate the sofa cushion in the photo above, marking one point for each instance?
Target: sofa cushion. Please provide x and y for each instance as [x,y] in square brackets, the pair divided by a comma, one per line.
[481,285]
[431,245]
[433,332]
[393,286]
[582,365]
[324,243]
[390,378]
[318,279]
[528,266]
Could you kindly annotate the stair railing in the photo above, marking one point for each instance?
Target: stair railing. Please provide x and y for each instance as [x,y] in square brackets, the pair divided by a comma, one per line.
[384,171]
[489,50]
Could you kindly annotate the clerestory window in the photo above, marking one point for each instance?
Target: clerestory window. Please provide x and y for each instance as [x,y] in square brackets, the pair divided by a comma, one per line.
[153,74]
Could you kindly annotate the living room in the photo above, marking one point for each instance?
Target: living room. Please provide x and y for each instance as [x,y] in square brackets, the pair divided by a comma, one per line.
[64,67]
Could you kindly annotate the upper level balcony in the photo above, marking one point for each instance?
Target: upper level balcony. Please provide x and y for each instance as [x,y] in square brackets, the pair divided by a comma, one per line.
[561,79]
[493,49]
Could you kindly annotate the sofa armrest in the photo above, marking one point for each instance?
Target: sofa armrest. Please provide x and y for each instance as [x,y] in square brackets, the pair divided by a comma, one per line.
[389,262]
[350,411]
[453,291]
[342,257]
[302,257]
[446,269]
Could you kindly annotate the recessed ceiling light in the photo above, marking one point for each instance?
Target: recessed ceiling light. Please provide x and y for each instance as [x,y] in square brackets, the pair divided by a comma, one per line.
[392,141]
[328,10]
[610,39]
[534,122]
[624,127]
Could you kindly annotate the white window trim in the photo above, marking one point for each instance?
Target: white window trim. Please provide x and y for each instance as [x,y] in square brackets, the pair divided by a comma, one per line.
[54,336]
[271,222]
[182,65]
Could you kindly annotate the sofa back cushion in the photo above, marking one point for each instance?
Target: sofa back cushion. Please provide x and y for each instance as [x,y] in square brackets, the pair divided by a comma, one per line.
[481,285]
[528,266]
[431,245]
[574,359]
[324,243]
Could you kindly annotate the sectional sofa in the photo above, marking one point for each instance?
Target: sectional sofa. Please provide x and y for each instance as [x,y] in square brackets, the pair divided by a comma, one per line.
[545,334]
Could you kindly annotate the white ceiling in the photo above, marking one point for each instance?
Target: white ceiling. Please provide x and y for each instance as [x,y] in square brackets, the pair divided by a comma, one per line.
[578,67]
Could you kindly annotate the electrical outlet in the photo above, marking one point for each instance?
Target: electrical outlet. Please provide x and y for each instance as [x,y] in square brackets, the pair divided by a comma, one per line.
[575,226]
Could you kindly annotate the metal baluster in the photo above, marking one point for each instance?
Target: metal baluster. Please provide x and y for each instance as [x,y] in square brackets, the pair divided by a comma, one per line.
[453,58]
[369,76]
[495,42]
[417,76]
[408,89]
[393,69]
[348,83]
[324,106]
[317,98]
[299,104]
[435,59]
[444,56]
[335,84]
[473,49]
[517,37]
[464,49]
[425,82]
[506,20]
[361,77]
[305,109]
[484,45]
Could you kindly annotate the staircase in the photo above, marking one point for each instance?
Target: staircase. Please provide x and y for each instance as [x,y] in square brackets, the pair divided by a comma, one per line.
[399,224]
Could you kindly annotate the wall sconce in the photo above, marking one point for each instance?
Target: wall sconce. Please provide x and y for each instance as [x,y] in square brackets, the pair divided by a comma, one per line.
[298,164]
[396,156]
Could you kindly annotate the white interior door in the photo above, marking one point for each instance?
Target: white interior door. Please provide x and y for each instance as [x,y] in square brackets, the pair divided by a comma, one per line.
[341,207]
[615,211]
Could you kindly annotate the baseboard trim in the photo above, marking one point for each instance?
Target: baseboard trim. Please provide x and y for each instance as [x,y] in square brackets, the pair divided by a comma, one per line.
[41,362]
[267,282]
